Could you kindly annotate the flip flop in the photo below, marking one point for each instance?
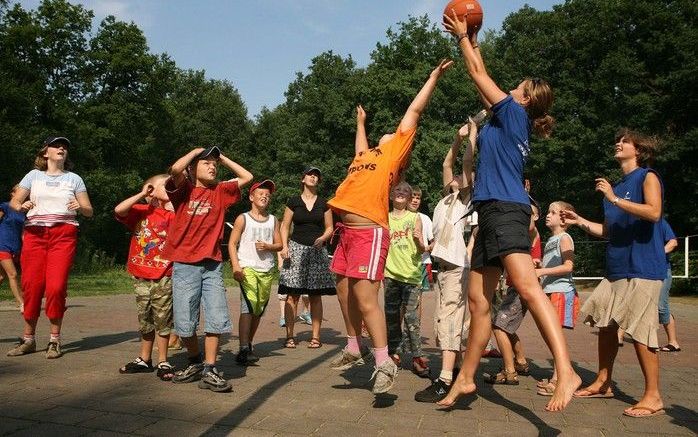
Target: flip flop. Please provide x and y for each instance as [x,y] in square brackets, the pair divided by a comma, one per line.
[545,381]
[607,395]
[669,348]
[547,390]
[652,412]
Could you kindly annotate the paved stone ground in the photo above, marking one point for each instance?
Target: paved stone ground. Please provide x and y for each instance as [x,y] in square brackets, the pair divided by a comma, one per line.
[293,392]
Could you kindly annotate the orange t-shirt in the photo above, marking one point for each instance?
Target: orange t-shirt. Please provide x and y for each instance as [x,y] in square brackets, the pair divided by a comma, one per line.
[366,189]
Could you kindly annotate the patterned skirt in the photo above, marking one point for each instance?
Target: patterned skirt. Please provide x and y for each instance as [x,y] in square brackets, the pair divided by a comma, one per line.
[307,271]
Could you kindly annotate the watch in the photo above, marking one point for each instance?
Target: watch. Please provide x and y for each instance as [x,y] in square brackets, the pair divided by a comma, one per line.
[615,200]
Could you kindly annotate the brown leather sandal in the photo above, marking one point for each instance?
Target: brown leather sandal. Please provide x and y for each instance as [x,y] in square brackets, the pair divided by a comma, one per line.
[502,377]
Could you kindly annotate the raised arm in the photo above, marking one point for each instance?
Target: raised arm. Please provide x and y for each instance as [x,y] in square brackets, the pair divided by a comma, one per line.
[469,154]
[651,210]
[414,111]
[178,168]
[360,142]
[489,92]
[243,175]
[598,230]
[125,206]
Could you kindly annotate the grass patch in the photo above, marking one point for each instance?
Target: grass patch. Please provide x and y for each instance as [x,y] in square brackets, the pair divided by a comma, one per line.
[111,281]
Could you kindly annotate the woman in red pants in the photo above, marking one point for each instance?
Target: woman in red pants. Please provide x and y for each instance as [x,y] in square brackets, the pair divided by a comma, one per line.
[56,196]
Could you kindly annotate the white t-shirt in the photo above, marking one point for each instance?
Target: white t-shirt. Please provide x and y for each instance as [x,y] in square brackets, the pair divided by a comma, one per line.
[427,235]
[50,195]
[449,226]
[257,231]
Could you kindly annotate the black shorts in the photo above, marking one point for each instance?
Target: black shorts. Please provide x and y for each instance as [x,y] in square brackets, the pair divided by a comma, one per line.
[502,229]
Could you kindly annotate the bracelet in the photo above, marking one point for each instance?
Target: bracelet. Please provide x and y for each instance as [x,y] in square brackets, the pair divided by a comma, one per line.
[461,36]
[476,46]
[616,200]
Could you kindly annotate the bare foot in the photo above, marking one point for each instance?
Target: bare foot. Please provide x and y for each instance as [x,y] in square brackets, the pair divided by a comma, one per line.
[564,390]
[457,390]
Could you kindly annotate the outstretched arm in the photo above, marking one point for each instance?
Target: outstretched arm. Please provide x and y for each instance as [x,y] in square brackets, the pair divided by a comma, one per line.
[488,90]
[469,154]
[598,230]
[360,142]
[414,111]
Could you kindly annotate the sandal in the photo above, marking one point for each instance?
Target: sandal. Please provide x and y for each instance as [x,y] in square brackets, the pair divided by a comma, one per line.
[544,382]
[420,367]
[668,348]
[314,343]
[502,377]
[547,390]
[137,366]
[522,369]
[290,343]
[165,371]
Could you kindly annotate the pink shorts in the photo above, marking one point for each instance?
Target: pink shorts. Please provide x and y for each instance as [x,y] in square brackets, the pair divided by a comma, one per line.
[361,253]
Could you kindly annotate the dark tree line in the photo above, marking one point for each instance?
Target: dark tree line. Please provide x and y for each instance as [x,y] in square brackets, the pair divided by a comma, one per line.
[131,113]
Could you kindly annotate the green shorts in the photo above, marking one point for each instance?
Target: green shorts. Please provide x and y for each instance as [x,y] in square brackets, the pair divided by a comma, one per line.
[255,290]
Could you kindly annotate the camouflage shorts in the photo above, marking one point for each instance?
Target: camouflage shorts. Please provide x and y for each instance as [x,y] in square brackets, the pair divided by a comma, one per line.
[154,303]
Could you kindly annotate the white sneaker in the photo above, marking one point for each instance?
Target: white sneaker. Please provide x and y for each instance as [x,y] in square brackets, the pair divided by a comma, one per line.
[385,377]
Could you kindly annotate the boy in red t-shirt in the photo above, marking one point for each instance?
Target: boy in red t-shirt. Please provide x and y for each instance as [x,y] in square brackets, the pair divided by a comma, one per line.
[193,245]
[151,273]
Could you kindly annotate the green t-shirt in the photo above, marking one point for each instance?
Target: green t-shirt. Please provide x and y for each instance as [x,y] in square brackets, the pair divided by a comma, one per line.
[404,259]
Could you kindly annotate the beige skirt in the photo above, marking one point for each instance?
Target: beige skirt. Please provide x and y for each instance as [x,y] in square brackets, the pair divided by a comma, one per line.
[631,303]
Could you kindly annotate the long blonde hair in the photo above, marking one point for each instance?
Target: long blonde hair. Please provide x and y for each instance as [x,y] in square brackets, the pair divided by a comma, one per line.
[541,99]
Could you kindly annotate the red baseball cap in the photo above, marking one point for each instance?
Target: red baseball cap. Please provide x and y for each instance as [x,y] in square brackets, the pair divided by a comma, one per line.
[266,183]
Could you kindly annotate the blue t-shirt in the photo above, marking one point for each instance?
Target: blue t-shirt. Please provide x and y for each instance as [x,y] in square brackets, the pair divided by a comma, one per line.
[11,229]
[635,247]
[668,234]
[503,150]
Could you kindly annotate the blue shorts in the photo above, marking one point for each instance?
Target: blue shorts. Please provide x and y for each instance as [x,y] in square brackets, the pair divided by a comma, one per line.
[192,285]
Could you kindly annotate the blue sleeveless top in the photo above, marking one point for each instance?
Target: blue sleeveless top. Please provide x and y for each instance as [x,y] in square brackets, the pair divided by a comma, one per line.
[503,149]
[635,247]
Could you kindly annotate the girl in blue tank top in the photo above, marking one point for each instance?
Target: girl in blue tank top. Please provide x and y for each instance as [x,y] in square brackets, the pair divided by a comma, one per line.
[504,213]
[627,298]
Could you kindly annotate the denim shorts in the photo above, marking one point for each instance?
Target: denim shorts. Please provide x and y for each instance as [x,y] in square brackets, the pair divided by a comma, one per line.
[192,285]
[664,312]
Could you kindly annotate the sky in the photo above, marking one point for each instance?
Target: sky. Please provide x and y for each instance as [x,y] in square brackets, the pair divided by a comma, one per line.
[259,45]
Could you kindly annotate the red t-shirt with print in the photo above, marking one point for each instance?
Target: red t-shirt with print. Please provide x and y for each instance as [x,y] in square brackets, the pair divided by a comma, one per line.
[149,225]
[197,228]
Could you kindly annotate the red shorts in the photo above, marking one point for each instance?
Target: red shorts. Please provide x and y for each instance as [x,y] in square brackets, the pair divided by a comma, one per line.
[6,255]
[361,253]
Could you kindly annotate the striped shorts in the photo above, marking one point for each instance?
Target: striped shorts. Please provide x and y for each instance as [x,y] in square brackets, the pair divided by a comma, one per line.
[361,253]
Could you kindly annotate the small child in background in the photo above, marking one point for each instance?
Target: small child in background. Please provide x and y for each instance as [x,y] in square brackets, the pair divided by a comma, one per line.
[507,318]
[427,238]
[258,235]
[11,226]
[556,276]
[403,279]
[152,274]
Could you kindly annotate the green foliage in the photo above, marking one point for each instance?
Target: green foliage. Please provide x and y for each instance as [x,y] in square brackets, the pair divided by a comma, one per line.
[131,113]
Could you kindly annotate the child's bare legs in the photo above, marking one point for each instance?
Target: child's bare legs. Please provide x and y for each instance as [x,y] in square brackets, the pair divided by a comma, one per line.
[670,329]
[506,348]
[247,326]
[481,285]
[290,309]
[173,340]
[147,341]
[8,266]
[316,314]
[352,320]
[210,347]
[517,346]
[363,304]
[522,275]
[621,336]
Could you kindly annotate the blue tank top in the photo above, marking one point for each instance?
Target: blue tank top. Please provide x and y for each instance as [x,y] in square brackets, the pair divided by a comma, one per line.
[503,149]
[635,247]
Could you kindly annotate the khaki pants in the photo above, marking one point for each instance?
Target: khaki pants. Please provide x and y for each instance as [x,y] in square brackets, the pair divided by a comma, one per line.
[451,320]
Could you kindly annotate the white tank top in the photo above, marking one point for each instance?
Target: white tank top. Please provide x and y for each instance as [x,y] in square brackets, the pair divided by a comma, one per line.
[257,231]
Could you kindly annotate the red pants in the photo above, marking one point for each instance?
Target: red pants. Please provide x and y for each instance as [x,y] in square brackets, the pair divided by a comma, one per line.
[47,255]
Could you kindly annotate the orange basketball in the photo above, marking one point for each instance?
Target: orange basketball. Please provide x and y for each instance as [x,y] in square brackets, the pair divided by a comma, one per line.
[469,8]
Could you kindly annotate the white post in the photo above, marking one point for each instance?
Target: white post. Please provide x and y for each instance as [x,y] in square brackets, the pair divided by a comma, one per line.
[685,257]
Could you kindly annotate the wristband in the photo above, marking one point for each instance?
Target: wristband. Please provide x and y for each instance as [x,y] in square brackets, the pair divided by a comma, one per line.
[476,46]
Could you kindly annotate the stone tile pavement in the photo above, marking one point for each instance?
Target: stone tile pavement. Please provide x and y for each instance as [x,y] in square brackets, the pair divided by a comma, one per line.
[293,392]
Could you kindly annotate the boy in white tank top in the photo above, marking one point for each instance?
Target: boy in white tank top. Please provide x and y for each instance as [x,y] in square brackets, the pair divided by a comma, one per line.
[253,242]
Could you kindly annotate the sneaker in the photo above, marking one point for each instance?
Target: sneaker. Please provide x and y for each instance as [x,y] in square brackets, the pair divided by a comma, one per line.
[53,350]
[190,374]
[385,377]
[434,393]
[306,318]
[252,357]
[282,322]
[242,357]
[23,347]
[347,360]
[211,380]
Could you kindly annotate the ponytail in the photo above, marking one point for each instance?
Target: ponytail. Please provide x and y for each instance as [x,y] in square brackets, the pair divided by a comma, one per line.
[543,126]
